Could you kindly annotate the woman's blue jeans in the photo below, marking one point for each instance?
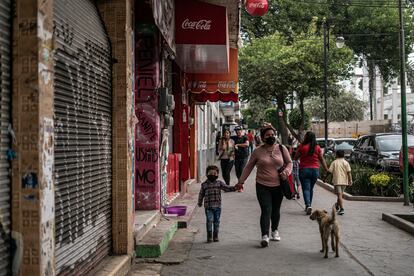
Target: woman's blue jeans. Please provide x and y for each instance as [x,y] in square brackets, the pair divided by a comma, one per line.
[308,178]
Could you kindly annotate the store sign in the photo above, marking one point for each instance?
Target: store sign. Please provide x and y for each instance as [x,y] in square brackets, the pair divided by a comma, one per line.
[202,37]
[216,87]
[257,7]
[200,23]
[164,16]
[196,25]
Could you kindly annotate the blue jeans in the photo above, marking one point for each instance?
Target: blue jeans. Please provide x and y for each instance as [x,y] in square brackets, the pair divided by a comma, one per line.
[213,217]
[308,178]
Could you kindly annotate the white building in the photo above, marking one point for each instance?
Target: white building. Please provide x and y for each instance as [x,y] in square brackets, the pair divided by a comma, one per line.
[387,96]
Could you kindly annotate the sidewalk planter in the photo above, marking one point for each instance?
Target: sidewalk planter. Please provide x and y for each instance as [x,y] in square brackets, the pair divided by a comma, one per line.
[347,196]
[402,221]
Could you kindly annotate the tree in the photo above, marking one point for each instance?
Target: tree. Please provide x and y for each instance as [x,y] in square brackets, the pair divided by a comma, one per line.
[295,119]
[273,69]
[344,107]
[370,28]
[271,116]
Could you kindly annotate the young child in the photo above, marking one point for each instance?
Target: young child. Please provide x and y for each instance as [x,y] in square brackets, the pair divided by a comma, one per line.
[211,193]
[341,177]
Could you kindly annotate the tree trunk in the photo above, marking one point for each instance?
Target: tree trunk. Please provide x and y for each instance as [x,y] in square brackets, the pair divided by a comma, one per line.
[371,69]
[282,122]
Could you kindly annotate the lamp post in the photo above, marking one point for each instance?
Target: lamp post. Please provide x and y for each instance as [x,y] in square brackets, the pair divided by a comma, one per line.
[403,105]
[340,42]
[325,80]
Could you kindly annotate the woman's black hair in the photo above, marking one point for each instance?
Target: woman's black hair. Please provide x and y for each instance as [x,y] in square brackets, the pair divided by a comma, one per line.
[310,139]
[264,130]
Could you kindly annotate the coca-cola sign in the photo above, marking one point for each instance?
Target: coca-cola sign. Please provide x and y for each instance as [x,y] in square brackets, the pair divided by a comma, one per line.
[202,24]
[257,7]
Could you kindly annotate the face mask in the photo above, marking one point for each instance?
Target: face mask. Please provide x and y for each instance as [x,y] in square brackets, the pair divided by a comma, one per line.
[270,140]
[212,178]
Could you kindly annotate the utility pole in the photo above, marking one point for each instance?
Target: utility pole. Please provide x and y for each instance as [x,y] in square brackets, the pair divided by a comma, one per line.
[325,80]
[403,104]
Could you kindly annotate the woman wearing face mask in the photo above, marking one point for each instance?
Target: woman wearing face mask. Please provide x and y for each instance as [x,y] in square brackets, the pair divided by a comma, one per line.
[268,159]
[226,155]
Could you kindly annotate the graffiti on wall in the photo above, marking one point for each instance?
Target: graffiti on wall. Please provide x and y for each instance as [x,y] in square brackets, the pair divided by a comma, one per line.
[147,175]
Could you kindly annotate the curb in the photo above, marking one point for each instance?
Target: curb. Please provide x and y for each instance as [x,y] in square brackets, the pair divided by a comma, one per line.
[350,197]
[115,266]
[399,222]
[156,241]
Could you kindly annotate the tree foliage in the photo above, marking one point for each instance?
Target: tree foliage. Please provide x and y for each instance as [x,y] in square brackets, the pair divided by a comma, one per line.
[295,119]
[271,116]
[344,107]
[274,69]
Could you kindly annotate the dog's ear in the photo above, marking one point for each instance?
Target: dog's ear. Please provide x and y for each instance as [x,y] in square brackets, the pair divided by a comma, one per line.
[325,211]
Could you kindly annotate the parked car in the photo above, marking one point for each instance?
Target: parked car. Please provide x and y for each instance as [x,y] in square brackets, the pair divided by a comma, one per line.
[380,151]
[345,144]
[410,162]
[321,143]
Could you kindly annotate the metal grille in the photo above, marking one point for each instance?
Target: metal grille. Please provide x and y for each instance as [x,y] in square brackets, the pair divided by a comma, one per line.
[83,134]
[5,69]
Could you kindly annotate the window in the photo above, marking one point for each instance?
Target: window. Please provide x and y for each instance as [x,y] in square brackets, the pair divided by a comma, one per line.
[385,116]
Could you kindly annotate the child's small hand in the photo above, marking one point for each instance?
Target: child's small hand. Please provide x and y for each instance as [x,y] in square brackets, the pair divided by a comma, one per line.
[350,183]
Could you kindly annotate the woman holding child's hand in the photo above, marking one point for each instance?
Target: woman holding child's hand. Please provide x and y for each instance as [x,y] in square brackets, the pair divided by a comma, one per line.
[268,158]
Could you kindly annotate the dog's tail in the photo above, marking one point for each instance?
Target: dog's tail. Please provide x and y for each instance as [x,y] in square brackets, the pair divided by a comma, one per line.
[333,216]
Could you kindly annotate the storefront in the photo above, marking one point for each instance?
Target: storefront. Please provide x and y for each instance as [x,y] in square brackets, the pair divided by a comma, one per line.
[83,137]
[211,67]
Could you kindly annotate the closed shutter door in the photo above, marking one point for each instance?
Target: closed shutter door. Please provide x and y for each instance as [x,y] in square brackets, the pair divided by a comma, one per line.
[5,62]
[83,131]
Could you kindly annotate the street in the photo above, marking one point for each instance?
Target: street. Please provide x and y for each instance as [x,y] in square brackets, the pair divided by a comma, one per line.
[369,246]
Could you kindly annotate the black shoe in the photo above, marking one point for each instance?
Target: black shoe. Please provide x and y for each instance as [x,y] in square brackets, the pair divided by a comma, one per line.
[341,212]
[215,237]
[336,206]
[209,237]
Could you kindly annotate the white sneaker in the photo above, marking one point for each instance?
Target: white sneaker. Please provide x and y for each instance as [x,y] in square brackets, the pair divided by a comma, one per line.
[265,241]
[274,236]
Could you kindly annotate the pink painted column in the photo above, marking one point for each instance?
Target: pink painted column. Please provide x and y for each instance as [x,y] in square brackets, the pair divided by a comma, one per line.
[147,135]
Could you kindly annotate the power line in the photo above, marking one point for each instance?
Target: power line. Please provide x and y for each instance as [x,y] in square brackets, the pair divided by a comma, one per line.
[360,4]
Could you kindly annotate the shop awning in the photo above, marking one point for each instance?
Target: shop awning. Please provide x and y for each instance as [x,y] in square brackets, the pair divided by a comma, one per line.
[201,36]
[216,87]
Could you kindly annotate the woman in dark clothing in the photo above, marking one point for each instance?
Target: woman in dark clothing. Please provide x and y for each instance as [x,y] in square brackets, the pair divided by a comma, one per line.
[310,155]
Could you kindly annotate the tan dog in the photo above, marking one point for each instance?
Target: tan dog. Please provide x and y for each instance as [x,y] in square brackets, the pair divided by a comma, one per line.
[327,227]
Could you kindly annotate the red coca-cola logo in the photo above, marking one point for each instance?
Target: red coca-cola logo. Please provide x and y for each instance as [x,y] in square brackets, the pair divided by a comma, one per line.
[202,24]
[257,7]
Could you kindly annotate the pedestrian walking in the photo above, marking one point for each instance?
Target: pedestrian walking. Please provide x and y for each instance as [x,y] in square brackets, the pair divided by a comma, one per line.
[268,158]
[250,138]
[241,145]
[309,154]
[296,180]
[226,155]
[341,178]
[257,139]
[218,138]
[210,192]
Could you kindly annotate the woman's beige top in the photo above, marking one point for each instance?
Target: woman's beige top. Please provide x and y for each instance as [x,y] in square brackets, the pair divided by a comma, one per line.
[226,149]
[267,159]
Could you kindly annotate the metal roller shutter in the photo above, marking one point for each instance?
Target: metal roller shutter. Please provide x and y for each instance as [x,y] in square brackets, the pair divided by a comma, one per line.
[5,69]
[83,134]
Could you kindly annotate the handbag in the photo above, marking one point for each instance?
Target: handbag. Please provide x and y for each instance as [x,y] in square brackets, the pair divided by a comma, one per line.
[287,190]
